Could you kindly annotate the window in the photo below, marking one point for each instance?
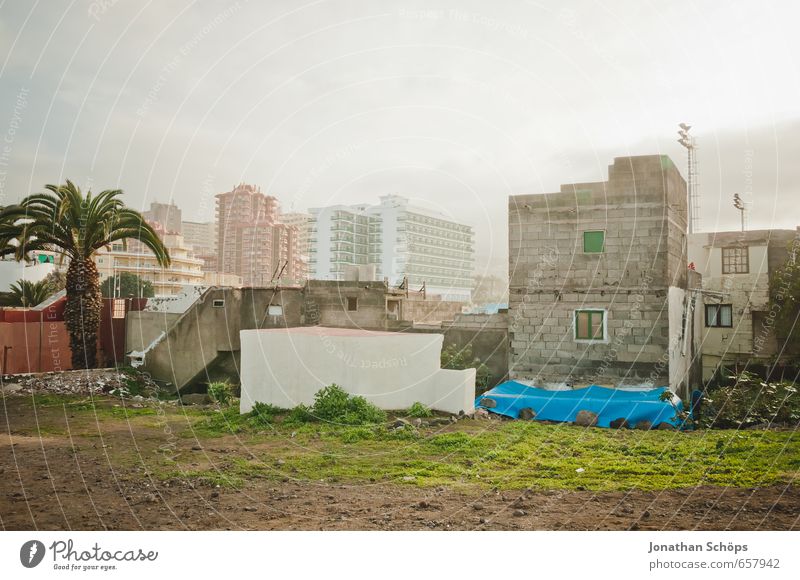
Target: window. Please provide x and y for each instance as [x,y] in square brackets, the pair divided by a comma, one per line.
[594,242]
[590,325]
[275,310]
[352,304]
[218,304]
[735,261]
[118,309]
[719,315]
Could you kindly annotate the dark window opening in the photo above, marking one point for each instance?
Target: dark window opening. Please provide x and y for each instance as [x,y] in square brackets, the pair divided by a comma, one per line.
[719,315]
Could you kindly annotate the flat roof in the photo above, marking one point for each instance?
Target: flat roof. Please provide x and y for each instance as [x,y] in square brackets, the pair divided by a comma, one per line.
[323,331]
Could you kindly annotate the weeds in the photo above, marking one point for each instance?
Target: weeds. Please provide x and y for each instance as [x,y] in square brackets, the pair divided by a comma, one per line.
[418,410]
[220,392]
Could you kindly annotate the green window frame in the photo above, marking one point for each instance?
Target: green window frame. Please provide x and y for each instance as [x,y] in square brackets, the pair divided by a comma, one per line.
[594,241]
[590,324]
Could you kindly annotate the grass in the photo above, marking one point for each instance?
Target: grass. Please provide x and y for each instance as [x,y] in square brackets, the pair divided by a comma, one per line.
[482,454]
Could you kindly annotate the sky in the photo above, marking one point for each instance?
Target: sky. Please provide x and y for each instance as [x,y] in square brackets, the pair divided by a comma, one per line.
[454,104]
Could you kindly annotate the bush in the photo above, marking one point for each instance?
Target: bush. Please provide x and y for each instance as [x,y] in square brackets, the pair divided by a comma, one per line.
[334,405]
[220,392]
[264,413]
[461,358]
[419,410]
[748,400]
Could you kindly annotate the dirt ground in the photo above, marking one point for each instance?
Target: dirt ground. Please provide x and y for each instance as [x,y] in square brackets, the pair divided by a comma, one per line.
[85,482]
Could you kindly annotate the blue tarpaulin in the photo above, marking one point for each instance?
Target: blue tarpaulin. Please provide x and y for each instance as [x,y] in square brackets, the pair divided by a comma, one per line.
[609,404]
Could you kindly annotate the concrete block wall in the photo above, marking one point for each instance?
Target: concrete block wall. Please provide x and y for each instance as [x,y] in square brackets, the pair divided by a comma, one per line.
[642,210]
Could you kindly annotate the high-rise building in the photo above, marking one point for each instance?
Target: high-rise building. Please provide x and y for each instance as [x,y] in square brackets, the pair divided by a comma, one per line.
[404,243]
[343,237]
[202,238]
[303,223]
[251,241]
[166,214]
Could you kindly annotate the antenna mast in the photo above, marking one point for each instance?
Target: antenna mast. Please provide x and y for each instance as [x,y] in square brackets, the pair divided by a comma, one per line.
[692,184]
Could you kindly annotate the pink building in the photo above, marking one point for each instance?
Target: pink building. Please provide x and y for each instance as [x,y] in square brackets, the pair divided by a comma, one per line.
[252,242]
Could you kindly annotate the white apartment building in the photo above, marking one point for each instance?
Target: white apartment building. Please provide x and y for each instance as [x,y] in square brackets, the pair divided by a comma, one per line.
[402,242]
[184,269]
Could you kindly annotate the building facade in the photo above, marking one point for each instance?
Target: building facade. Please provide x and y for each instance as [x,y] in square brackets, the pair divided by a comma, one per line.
[166,214]
[202,238]
[251,240]
[599,283]
[736,268]
[184,269]
[342,238]
[404,244]
[303,223]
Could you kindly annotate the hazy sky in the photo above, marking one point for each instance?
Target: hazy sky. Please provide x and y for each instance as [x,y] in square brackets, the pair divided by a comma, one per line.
[455,104]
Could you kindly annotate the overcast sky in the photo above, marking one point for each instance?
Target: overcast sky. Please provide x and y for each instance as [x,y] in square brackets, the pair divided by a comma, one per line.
[454,104]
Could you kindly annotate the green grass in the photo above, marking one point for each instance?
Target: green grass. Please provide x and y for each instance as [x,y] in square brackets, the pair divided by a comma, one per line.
[470,454]
[522,455]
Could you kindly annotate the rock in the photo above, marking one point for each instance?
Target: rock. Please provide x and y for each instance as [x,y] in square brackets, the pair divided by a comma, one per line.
[417,422]
[477,506]
[527,414]
[666,426]
[620,423]
[586,419]
[196,448]
[409,478]
[644,425]
[488,403]
[481,414]
[10,388]
[423,505]
[280,462]
[645,515]
[250,508]
[400,423]
[151,498]
[519,513]
[195,399]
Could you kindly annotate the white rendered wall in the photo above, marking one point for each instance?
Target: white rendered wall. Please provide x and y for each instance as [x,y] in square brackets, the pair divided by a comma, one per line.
[286,367]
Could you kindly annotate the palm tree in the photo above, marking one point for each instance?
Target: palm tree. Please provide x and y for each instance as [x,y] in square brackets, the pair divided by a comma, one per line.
[26,293]
[74,226]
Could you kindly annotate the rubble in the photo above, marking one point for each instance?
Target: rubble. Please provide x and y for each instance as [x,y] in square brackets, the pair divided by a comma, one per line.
[129,385]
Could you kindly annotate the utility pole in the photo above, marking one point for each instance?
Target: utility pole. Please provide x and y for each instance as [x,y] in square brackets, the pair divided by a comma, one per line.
[693,201]
[739,204]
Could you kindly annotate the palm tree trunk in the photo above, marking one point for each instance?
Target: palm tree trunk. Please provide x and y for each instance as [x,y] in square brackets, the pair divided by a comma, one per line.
[82,312]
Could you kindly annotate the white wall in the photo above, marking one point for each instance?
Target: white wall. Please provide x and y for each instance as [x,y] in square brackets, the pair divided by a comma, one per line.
[11,271]
[285,367]
[680,337]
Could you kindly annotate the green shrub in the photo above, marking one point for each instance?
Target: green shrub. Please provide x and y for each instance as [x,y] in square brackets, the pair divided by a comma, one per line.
[264,413]
[419,410]
[334,405]
[461,358]
[300,414]
[749,400]
[220,392]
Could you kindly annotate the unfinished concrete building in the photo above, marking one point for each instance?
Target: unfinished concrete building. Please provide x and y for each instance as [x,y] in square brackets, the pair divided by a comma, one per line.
[195,339]
[739,330]
[599,281]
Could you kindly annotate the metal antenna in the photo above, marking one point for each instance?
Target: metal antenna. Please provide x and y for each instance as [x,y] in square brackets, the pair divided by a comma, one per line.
[692,181]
